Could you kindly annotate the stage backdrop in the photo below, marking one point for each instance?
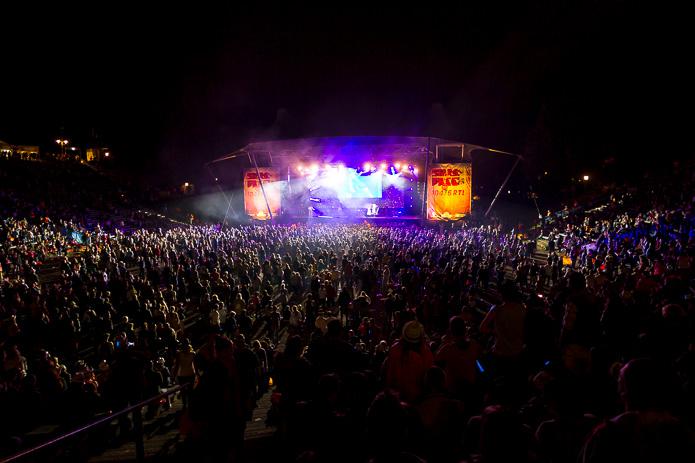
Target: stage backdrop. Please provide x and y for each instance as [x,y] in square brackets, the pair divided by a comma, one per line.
[254,202]
[449,191]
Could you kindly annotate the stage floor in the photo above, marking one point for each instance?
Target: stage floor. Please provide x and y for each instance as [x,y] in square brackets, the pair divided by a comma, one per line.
[353,219]
[376,218]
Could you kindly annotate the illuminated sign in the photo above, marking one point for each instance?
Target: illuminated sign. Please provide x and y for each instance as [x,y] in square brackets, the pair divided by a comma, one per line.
[449,191]
[254,200]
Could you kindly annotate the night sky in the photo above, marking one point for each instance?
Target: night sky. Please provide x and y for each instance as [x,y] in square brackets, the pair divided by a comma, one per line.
[169,88]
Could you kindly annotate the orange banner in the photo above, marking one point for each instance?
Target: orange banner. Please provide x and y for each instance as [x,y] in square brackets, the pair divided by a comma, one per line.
[449,191]
[254,202]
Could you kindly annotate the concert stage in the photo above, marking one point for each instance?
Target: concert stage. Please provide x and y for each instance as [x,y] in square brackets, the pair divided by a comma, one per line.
[351,178]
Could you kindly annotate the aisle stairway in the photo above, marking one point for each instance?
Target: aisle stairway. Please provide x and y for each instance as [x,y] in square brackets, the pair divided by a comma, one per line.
[162,436]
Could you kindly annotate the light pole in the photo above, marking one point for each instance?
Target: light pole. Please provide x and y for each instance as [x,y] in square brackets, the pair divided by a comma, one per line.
[63,143]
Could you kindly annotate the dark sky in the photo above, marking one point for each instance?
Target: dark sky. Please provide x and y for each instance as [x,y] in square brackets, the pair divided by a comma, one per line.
[170,87]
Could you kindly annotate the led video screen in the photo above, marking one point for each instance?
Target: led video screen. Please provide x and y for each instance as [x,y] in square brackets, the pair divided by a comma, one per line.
[350,184]
[362,186]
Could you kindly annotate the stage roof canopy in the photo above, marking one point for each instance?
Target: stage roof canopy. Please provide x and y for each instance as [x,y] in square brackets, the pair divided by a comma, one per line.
[344,148]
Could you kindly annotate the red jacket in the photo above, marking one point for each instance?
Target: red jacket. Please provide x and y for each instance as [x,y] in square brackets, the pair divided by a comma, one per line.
[405,370]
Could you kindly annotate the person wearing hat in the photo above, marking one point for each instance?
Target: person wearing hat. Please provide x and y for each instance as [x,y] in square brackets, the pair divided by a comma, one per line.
[407,362]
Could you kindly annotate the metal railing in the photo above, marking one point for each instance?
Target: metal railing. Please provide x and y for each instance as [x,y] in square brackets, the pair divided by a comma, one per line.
[138,437]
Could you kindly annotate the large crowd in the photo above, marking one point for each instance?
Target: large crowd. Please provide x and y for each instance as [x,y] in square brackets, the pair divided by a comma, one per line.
[414,343]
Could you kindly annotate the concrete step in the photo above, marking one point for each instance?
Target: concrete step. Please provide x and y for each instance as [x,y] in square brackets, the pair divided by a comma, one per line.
[256,428]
